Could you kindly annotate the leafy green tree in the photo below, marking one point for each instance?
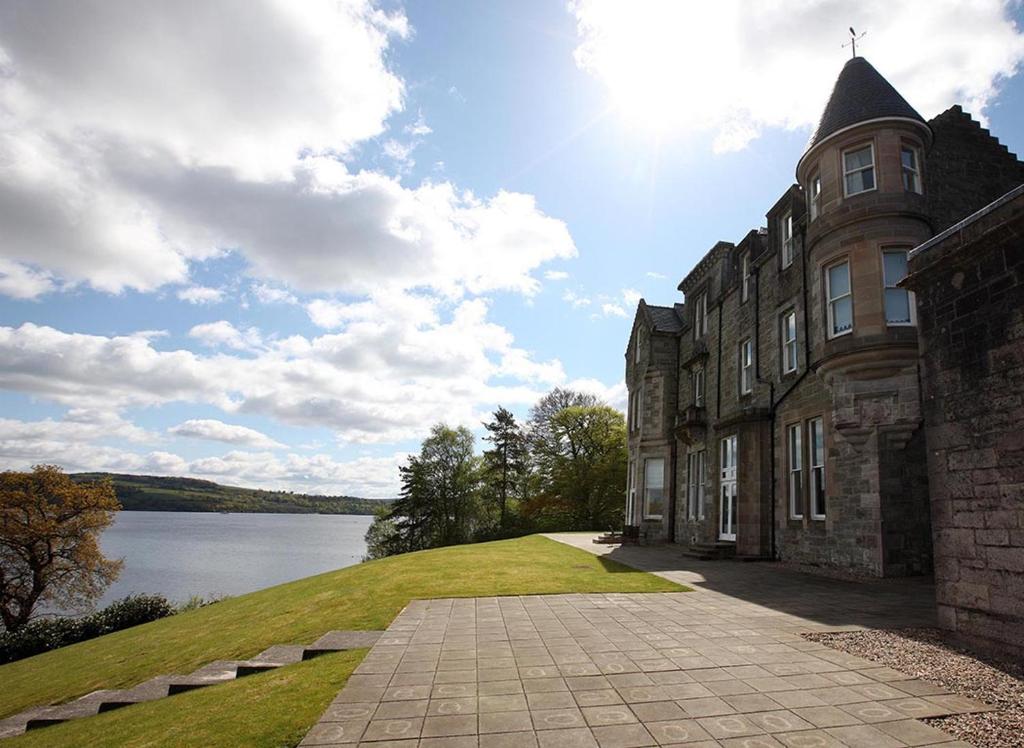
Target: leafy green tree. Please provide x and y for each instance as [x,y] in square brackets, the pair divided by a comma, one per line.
[439,503]
[49,542]
[506,465]
[581,467]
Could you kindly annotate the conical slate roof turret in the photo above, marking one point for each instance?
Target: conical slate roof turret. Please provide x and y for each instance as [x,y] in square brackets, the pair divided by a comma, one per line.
[860,94]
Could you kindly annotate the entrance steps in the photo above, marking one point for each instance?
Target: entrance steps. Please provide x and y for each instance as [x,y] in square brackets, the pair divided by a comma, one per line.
[162,686]
[711,551]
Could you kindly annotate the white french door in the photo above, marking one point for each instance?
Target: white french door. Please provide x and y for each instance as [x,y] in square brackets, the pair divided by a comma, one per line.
[727,483]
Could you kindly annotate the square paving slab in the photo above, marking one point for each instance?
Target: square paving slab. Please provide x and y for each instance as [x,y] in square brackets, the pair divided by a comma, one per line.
[724,665]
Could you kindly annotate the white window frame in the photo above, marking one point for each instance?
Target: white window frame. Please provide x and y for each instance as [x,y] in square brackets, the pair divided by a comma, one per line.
[795,470]
[698,387]
[848,172]
[814,196]
[728,489]
[631,493]
[887,286]
[913,172]
[790,353]
[816,463]
[647,487]
[746,360]
[786,233]
[745,277]
[830,301]
[700,317]
[696,482]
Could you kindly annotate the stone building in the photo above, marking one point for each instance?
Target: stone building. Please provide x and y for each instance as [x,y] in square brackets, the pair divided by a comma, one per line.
[777,413]
[969,282]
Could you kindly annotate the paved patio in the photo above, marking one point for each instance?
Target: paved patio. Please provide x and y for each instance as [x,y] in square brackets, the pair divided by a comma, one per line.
[721,666]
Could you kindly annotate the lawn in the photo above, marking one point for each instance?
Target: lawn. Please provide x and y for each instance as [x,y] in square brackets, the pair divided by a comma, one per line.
[260,711]
[366,596]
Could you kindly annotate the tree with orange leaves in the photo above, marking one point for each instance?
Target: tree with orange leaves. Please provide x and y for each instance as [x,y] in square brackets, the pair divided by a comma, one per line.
[49,541]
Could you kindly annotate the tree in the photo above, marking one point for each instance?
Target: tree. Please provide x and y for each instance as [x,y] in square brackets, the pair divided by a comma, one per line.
[49,541]
[439,499]
[505,467]
[581,467]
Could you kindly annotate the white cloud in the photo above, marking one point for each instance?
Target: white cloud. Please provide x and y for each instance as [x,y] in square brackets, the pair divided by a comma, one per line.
[657,276]
[400,153]
[575,300]
[614,395]
[223,333]
[104,183]
[214,430]
[271,295]
[22,282]
[631,296]
[556,275]
[201,295]
[732,68]
[391,371]
[419,128]
[612,310]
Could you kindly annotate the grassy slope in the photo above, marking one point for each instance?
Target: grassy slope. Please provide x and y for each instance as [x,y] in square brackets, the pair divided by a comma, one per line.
[260,711]
[366,596]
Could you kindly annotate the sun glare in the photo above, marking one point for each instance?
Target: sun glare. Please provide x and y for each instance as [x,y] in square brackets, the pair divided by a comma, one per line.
[662,62]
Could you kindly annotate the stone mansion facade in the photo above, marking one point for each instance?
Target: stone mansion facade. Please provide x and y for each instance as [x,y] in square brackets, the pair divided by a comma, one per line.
[778,412]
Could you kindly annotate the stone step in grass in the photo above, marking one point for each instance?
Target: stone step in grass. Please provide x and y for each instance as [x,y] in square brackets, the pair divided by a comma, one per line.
[163,686]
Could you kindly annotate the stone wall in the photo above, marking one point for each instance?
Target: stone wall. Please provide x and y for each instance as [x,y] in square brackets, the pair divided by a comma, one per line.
[970,297]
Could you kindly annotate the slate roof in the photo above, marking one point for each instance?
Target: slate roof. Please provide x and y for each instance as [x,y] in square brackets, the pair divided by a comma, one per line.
[860,94]
[665,319]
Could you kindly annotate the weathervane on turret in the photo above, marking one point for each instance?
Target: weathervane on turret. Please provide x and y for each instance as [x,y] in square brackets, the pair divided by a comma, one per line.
[854,39]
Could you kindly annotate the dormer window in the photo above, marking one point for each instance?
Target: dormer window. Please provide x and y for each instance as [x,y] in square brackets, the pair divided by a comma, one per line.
[745,273]
[814,196]
[786,231]
[911,168]
[859,170]
[700,317]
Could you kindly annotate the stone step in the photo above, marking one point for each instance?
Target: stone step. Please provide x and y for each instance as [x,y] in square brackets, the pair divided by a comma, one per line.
[162,686]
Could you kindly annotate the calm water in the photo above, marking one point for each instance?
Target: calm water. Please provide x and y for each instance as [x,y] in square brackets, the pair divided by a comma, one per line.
[180,554]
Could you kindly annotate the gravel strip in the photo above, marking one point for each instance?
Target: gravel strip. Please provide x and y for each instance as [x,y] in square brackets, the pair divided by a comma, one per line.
[928,654]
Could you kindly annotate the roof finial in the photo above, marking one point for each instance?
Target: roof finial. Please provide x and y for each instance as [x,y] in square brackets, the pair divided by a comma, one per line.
[853,40]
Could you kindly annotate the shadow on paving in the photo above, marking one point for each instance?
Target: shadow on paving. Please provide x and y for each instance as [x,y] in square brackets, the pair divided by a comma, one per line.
[888,603]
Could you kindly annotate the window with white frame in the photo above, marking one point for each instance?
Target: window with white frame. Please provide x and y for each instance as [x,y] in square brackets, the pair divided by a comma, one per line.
[899,302]
[696,467]
[631,494]
[788,337]
[816,452]
[698,387]
[859,170]
[786,232]
[839,296]
[654,488]
[700,317]
[796,471]
[814,196]
[746,366]
[911,166]
[745,273]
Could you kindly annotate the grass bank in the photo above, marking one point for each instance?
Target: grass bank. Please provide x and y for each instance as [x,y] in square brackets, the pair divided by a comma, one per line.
[366,596]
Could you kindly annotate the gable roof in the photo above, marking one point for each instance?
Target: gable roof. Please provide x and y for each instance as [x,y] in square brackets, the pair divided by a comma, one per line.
[859,95]
[664,318]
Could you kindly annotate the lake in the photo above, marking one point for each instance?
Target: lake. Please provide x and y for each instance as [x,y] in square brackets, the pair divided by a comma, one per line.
[180,554]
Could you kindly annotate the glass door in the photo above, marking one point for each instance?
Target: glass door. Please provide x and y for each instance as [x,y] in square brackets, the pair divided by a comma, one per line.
[727,510]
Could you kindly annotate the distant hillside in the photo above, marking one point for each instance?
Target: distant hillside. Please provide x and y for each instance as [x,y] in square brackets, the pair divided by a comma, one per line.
[159,494]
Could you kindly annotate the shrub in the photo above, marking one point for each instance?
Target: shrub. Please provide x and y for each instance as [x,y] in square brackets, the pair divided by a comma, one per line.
[45,634]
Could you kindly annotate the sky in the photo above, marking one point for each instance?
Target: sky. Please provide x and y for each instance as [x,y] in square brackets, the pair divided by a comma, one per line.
[271,243]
